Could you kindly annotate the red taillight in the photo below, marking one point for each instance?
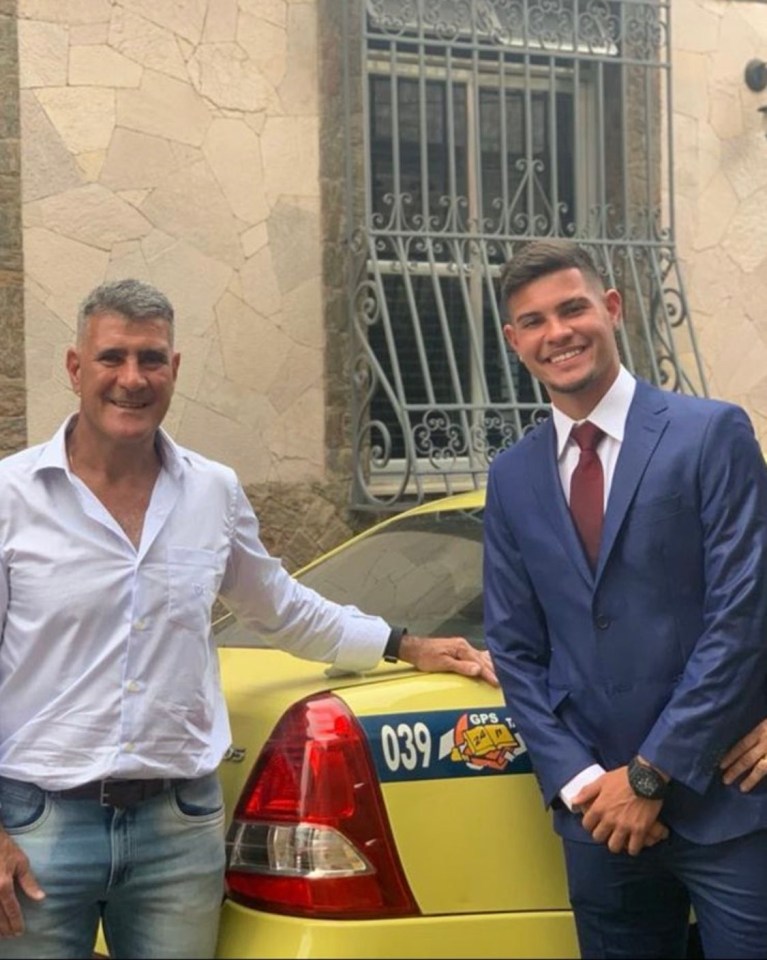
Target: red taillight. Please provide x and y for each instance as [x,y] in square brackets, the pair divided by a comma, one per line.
[310,835]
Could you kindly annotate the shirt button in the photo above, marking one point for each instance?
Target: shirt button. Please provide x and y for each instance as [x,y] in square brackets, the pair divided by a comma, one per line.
[603,622]
[140,624]
[133,686]
[129,747]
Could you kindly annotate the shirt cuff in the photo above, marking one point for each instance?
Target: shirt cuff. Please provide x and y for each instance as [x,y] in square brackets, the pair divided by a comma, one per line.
[579,781]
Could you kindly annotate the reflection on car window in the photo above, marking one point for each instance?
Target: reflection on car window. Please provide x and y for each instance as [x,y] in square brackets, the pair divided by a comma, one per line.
[424,573]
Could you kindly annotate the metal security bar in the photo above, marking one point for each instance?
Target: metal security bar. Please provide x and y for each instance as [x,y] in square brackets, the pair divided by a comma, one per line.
[471,126]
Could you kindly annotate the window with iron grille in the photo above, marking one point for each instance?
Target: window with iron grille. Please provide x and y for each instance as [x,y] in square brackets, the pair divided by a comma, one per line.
[471,127]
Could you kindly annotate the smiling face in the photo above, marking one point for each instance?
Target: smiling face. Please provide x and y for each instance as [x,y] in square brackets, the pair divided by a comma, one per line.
[125,372]
[562,326]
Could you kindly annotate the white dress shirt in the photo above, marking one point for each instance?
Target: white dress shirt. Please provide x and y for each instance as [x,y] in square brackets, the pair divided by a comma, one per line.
[610,416]
[107,663]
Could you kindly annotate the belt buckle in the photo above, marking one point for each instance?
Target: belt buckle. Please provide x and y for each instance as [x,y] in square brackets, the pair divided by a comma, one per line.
[127,793]
[105,794]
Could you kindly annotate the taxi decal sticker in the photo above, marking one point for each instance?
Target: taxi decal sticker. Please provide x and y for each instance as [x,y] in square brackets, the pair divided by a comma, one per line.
[443,744]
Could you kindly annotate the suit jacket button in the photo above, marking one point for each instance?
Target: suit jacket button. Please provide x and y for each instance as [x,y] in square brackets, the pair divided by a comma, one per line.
[603,622]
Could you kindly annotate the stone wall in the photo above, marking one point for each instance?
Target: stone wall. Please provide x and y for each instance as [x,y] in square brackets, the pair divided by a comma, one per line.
[720,168]
[12,384]
[198,144]
[177,141]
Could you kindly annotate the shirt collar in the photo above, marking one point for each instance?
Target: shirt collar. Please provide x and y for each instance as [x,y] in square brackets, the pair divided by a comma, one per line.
[609,414]
[54,452]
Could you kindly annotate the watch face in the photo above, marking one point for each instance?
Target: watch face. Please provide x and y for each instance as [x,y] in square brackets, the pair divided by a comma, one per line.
[646,782]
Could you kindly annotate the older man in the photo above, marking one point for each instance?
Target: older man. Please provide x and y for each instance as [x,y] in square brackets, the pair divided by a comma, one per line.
[114,543]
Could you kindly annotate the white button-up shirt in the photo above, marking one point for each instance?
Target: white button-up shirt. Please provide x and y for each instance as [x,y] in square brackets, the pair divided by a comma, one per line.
[610,415]
[107,663]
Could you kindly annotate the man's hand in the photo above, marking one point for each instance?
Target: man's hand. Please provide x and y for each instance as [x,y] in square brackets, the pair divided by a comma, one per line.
[615,815]
[447,655]
[749,756]
[14,869]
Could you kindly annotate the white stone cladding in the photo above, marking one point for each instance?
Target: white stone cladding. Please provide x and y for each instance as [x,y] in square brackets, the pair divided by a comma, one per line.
[720,170]
[177,141]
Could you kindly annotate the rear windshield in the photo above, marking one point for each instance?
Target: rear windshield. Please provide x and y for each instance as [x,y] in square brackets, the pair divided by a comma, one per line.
[424,573]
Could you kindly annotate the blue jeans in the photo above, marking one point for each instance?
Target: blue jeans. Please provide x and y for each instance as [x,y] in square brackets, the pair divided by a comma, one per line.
[152,873]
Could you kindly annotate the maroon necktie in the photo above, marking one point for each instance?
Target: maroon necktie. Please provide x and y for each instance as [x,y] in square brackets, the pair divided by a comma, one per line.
[587,489]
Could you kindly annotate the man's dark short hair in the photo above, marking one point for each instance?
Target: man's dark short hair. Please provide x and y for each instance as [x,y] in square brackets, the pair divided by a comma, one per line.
[538,258]
[132,299]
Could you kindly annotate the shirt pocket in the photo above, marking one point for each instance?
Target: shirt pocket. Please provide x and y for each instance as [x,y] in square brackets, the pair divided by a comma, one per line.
[192,586]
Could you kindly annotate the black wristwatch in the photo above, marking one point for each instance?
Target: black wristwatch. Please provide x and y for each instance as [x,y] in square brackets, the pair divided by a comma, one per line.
[391,650]
[645,781]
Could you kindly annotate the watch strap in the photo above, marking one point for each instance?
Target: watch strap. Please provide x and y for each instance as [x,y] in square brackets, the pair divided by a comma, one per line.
[391,650]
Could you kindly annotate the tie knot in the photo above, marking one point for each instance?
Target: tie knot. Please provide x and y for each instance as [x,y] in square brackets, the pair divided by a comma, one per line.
[587,435]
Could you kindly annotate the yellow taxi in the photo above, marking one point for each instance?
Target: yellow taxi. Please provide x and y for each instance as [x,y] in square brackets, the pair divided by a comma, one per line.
[392,814]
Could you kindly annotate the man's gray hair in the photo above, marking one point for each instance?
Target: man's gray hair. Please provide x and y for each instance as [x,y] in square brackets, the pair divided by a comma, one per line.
[132,299]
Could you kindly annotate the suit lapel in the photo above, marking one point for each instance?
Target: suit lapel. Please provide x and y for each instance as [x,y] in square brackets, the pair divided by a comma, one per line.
[544,479]
[646,421]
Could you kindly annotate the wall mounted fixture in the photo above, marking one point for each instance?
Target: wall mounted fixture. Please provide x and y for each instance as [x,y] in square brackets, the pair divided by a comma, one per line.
[756,75]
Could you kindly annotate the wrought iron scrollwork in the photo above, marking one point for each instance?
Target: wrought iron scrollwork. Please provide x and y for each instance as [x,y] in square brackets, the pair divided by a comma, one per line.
[544,150]
[541,24]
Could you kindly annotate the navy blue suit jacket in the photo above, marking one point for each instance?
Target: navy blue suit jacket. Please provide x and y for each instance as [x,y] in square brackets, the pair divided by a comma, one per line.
[662,650]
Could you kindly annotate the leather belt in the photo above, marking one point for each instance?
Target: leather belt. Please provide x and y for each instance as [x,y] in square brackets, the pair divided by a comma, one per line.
[116,793]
